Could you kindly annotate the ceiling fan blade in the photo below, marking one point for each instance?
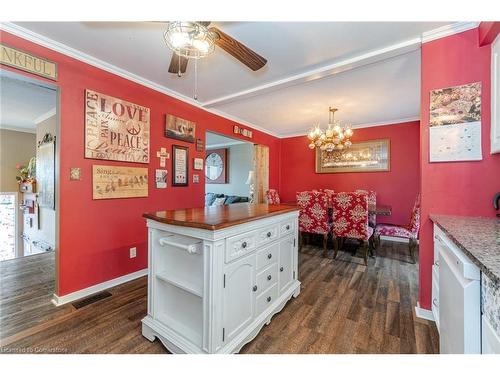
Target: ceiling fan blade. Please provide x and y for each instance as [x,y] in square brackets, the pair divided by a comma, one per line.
[204,23]
[174,64]
[238,50]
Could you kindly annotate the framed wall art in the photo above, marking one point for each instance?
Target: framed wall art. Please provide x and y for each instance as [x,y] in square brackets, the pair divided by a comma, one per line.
[455,123]
[368,156]
[180,129]
[110,182]
[198,164]
[116,129]
[216,166]
[180,157]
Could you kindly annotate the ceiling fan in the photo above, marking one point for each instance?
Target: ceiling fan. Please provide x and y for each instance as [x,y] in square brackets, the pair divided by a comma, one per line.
[194,40]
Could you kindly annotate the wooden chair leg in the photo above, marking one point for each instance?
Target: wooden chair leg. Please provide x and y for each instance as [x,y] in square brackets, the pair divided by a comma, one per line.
[412,245]
[371,245]
[335,246]
[325,242]
[301,240]
[365,251]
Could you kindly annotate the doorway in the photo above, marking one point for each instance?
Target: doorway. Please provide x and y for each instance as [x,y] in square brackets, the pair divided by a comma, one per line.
[236,171]
[28,128]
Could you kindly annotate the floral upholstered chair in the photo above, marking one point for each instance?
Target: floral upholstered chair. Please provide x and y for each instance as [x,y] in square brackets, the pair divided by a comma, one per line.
[409,231]
[372,200]
[350,220]
[313,215]
[272,196]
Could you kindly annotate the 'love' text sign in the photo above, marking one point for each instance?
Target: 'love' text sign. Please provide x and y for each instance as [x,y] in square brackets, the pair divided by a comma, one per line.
[115,129]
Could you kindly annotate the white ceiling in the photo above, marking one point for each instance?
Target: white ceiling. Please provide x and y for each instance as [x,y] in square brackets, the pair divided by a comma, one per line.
[23,102]
[382,92]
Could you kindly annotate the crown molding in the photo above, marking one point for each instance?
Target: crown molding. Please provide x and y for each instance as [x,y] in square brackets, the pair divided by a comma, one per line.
[45,116]
[361,126]
[16,129]
[447,30]
[91,60]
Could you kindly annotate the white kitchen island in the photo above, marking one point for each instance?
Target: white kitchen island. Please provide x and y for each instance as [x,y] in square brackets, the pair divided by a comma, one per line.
[218,274]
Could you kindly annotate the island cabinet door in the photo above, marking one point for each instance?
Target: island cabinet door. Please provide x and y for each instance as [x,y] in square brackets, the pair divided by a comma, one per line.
[286,266]
[238,296]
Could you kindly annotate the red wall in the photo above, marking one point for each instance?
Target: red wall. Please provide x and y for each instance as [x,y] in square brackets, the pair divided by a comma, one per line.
[95,236]
[398,187]
[459,188]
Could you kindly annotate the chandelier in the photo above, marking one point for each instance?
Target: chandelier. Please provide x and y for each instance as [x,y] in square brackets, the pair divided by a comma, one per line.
[335,137]
[189,39]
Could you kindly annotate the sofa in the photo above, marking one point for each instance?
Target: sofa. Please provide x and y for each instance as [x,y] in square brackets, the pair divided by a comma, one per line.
[214,199]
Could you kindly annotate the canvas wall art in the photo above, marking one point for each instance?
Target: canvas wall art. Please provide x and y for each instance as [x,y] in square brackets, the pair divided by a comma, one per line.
[455,123]
[180,129]
[115,129]
[109,182]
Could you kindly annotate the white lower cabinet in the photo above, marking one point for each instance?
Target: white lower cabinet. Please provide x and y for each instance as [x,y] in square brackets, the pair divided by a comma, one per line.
[212,291]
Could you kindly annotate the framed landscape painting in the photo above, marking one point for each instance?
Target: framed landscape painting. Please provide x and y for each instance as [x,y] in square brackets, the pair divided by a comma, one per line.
[368,156]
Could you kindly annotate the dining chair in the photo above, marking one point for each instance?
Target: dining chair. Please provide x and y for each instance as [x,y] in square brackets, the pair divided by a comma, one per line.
[272,196]
[409,231]
[350,220]
[372,200]
[313,215]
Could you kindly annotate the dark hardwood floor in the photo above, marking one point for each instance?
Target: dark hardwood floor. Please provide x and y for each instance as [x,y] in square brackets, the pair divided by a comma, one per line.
[344,307]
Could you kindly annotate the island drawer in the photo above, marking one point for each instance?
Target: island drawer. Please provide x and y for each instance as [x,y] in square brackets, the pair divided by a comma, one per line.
[266,299]
[267,255]
[267,277]
[240,245]
[287,227]
[267,234]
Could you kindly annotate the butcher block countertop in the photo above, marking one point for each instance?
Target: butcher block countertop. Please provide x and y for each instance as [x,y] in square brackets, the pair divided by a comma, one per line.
[219,217]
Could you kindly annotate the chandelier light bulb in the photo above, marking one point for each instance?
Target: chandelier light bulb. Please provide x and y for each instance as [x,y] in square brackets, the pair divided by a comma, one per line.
[334,137]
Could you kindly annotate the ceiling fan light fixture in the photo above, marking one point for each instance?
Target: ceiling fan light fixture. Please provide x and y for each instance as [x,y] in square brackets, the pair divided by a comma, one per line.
[189,39]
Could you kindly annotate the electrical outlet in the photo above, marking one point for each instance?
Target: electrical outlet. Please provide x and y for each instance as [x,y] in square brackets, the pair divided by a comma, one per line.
[133,252]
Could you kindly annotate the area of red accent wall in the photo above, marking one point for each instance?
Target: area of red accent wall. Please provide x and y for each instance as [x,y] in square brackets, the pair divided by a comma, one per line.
[398,187]
[95,236]
[458,188]
[488,31]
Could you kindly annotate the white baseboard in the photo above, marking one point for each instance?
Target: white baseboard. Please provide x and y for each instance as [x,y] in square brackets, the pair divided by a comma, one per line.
[423,313]
[79,294]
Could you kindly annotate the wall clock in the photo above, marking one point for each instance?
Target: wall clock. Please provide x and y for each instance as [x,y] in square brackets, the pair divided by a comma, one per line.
[216,171]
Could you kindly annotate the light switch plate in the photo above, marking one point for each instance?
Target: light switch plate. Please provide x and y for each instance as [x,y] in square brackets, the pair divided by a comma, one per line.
[133,252]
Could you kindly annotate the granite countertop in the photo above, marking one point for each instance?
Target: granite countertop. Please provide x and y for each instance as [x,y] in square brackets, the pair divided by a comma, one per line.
[477,237]
[214,218]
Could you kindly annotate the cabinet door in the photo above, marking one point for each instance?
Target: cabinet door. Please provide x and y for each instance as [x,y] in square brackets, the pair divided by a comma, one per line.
[285,265]
[238,300]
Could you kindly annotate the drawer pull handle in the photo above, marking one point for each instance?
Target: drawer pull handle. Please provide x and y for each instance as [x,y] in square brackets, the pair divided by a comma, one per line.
[281,269]
[269,277]
[434,302]
[269,234]
[254,288]
[244,244]
[269,256]
[269,299]
[288,227]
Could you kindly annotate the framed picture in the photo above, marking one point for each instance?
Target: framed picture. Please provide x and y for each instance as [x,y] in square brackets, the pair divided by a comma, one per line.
[115,129]
[180,165]
[216,166]
[198,164]
[180,129]
[109,182]
[368,156]
[455,123]
[199,145]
